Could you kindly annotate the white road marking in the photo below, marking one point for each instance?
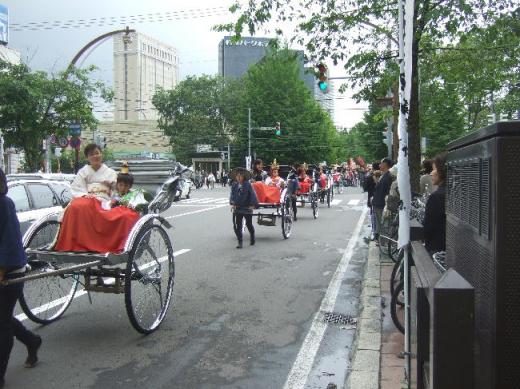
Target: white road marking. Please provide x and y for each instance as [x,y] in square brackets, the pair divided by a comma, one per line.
[82,292]
[190,201]
[336,202]
[302,366]
[354,202]
[197,211]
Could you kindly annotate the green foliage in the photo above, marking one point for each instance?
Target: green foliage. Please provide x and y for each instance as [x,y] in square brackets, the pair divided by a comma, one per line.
[274,91]
[34,105]
[365,138]
[359,34]
[214,111]
[195,112]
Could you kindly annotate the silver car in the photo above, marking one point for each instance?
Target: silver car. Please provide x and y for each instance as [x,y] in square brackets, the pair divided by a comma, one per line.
[36,198]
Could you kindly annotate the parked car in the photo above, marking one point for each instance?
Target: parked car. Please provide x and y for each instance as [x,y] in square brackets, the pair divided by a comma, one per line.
[36,198]
[41,176]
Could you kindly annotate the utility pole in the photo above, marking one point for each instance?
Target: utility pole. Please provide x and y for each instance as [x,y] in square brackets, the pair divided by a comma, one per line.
[48,155]
[228,158]
[2,153]
[249,134]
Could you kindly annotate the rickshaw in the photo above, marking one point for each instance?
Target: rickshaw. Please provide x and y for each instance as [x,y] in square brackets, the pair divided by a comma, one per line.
[307,194]
[144,271]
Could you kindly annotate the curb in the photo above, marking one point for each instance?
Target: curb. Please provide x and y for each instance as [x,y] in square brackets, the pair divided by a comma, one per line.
[365,366]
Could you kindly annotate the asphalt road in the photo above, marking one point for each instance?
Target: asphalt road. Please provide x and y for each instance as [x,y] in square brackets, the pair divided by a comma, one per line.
[245,318]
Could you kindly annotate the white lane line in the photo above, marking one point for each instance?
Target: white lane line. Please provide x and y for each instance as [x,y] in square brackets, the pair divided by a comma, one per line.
[354,202]
[81,292]
[190,201]
[336,202]
[197,205]
[197,211]
[302,366]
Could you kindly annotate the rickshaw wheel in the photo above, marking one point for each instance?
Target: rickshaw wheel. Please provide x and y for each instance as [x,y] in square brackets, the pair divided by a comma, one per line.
[45,299]
[149,279]
[286,218]
[314,204]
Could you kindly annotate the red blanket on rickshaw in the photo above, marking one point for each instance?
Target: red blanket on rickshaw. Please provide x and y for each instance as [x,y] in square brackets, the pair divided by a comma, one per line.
[266,193]
[86,226]
[305,187]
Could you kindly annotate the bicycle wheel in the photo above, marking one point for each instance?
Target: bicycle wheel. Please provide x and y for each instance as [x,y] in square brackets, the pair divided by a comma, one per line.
[149,279]
[396,309]
[45,299]
[392,248]
[397,273]
[384,235]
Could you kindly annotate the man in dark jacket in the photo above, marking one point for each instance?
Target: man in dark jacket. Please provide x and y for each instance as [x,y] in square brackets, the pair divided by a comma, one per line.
[243,200]
[369,186]
[380,192]
[12,265]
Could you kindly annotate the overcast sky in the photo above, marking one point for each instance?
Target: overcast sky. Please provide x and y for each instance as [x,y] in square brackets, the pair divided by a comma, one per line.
[52,49]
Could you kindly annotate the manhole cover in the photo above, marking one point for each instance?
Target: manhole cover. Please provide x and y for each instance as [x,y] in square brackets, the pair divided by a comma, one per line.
[338,318]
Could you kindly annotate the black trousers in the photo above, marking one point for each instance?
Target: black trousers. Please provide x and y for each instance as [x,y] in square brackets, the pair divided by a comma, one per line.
[11,327]
[294,206]
[237,225]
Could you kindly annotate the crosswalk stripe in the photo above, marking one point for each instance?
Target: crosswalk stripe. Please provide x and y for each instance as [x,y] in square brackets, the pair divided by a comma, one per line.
[335,202]
[353,202]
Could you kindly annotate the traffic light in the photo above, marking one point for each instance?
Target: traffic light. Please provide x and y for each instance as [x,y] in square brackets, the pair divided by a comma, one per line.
[103,142]
[322,78]
[277,128]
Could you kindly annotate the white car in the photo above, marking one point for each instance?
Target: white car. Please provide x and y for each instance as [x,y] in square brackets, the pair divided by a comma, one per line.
[36,198]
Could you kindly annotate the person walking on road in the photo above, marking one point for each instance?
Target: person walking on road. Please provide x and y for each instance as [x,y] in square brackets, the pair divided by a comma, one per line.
[242,200]
[380,192]
[12,265]
[211,180]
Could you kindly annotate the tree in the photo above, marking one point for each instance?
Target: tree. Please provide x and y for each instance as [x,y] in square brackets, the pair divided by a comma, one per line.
[34,105]
[365,139]
[275,93]
[195,112]
[360,32]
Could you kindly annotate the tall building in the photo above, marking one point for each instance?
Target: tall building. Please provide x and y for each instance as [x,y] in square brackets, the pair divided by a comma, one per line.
[141,65]
[235,58]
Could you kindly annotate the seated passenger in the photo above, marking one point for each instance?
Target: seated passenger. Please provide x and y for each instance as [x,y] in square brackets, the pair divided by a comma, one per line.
[259,173]
[88,225]
[274,179]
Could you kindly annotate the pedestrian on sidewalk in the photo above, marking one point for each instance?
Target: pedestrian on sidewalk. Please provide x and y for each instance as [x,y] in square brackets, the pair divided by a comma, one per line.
[12,265]
[435,212]
[380,192]
[243,201]
[369,186]
[211,180]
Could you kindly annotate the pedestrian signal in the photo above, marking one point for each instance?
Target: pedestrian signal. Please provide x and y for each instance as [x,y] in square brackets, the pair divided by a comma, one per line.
[278,131]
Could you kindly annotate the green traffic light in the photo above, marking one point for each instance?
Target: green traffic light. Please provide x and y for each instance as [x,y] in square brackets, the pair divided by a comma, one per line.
[278,132]
[323,86]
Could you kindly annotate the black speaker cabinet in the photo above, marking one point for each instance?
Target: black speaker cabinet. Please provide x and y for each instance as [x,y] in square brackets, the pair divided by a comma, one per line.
[483,244]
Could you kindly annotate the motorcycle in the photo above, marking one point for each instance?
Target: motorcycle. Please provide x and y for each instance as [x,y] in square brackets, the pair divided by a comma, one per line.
[177,186]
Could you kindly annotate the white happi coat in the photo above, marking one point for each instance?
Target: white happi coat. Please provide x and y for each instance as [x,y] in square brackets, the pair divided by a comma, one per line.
[90,181]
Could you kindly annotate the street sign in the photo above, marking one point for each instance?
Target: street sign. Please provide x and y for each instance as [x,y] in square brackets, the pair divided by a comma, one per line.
[75,143]
[63,142]
[75,129]
[57,152]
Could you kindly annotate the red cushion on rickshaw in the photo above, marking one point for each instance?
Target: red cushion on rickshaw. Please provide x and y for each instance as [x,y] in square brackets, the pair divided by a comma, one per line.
[86,226]
[266,193]
[304,187]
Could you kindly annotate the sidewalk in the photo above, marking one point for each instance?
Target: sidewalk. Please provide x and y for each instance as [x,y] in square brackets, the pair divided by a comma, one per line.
[375,362]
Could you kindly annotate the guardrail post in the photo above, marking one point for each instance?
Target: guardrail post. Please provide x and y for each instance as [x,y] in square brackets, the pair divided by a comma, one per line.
[452,333]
